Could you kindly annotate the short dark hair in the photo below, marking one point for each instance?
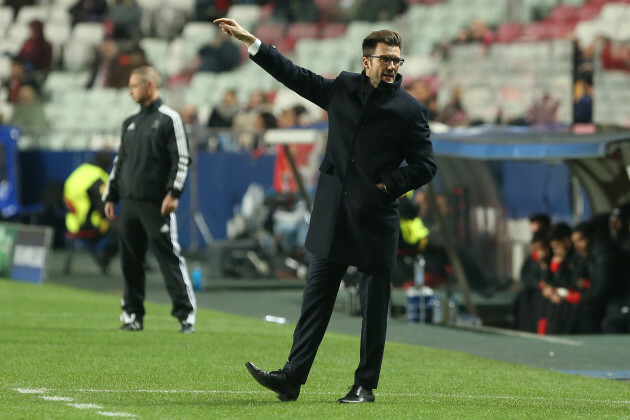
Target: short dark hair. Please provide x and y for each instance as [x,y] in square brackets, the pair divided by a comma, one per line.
[386,36]
[541,237]
[560,231]
[587,229]
[543,219]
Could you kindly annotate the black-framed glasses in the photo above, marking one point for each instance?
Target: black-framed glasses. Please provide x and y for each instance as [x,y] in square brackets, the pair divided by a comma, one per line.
[386,59]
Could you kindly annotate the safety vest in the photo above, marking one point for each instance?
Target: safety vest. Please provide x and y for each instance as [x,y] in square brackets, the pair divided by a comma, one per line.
[81,211]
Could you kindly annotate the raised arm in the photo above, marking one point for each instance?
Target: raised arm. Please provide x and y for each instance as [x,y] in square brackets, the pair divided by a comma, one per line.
[304,82]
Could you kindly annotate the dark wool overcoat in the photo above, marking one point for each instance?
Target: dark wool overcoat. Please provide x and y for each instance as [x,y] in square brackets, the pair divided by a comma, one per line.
[371,132]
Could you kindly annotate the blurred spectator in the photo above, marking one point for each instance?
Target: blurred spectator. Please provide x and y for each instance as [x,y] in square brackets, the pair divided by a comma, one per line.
[219,55]
[113,69]
[88,11]
[17,78]
[539,222]
[463,36]
[36,52]
[375,10]
[295,11]
[453,113]
[264,121]
[583,99]
[480,32]
[422,92]
[125,17]
[246,123]
[29,109]
[209,10]
[543,111]
[198,139]
[105,66]
[603,279]
[223,115]
[529,306]
[619,225]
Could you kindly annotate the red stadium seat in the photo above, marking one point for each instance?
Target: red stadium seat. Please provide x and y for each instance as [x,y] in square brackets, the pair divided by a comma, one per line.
[298,30]
[564,13]
[271,33]
[508,32]
[334,30]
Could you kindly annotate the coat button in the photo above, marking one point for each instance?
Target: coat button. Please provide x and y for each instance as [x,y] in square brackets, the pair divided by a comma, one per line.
[345,193]
[351,159]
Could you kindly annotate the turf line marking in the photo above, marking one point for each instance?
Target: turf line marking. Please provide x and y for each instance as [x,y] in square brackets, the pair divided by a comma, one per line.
[385,394]
[55,398]
[86,406]
[78,406]
[114,414]
[31,390]
[522,334]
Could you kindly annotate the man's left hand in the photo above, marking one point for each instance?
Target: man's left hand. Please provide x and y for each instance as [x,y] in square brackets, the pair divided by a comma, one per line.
[169,204]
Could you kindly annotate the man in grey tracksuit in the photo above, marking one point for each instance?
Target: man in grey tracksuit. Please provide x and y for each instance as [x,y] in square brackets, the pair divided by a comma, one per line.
[148,178]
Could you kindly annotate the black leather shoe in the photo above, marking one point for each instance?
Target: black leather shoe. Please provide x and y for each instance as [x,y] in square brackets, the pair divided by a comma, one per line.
[357,394]
[277,381]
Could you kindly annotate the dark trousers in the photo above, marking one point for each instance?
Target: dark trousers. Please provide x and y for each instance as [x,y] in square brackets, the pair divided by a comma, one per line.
[322,285]
[142,224]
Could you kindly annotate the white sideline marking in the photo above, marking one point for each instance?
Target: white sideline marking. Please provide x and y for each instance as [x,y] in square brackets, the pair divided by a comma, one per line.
[86,406]
[114,414]
[383,394]
[54,398]
[79,406]
[31,390]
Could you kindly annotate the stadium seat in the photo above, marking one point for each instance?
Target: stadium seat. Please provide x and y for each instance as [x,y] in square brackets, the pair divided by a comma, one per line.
[6,17]
[334,30]
[77,55]
[509,31]
[17,34]
[248,15]
[88,33]
[298,30]
[57,34]
[28,14]
[156,50]
[185,6]
[65,4]
[271,33]
[58,15]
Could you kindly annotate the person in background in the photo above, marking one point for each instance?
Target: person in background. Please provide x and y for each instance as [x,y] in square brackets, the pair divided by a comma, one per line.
[82,193]
[218,56]
[373,126]
[88,11]
[36,52]
[124,16]
[620,227]
[222,116]
[17,78]
[583,99]
[148,178]
[29,110]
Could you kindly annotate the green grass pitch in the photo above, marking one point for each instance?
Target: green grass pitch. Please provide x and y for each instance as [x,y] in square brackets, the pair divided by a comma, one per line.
[61,357]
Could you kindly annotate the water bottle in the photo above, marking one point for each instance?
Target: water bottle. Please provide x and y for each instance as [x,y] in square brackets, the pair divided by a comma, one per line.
[452,311]
[418,271]
[276,319]
[197,276]
[436,310]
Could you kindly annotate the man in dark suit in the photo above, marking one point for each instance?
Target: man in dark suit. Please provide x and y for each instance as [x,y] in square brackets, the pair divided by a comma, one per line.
[374,126]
